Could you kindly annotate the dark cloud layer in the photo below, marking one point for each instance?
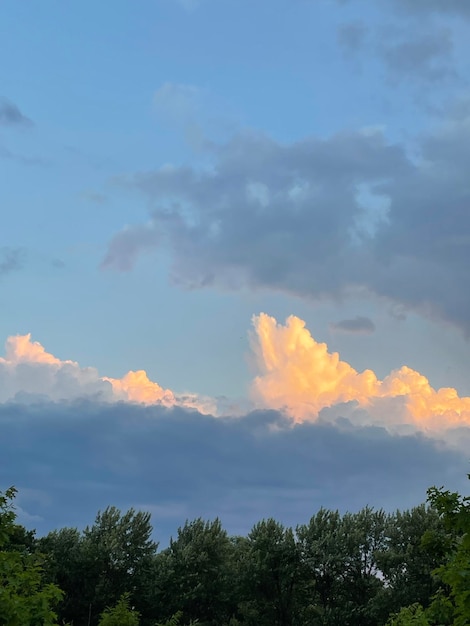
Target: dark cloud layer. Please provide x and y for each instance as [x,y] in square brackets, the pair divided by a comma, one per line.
[69,460]
[318,217]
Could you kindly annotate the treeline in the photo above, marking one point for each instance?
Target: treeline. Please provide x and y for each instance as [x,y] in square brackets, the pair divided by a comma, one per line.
[358,569]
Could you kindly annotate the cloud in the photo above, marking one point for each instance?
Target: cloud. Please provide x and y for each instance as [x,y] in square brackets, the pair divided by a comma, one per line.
[299,376]
[28,374]
[177,102]
[427,56]
[358,325]
[10,114]
[349,213]
[183,107]
[11,259]
[452,7]
[127,245]
[94,196]
[325,435]
[419,7]
[352,36]
[71,459]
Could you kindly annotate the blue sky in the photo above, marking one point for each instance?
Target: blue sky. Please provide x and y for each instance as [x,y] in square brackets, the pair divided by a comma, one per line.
[172,169]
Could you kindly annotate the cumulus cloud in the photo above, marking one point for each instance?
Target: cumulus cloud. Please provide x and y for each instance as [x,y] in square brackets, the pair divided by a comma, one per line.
[301,377]
[352,212]
[69,460]
[28,373]
[74,441]
[10,114]
[357,325]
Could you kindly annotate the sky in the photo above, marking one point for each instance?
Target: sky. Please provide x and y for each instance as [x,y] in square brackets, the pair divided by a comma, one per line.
[234,243]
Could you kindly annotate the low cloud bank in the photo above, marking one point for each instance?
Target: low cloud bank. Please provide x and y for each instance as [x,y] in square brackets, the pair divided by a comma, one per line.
[71,459]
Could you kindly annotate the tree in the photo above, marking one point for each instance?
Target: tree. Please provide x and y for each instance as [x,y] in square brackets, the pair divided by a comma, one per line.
[455,572]
[271,576]
[451,603]
[65,566]
[96,567]
[120,614]
[194,574]
[116,552]
[24,598]
[407,561]
[339,553]
[413,615]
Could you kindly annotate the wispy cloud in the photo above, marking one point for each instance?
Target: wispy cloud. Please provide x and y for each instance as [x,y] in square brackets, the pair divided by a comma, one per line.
[420,57]
[11,259]
[357,325]
[10,114]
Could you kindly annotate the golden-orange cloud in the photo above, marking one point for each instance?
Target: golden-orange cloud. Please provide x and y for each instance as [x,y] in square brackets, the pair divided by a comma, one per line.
[28,369]
[299,376]
[20,348]
[137,387]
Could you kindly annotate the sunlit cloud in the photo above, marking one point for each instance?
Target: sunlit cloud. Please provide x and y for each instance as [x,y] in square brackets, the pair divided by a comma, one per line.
[296,375]
[301,377]
[29,373]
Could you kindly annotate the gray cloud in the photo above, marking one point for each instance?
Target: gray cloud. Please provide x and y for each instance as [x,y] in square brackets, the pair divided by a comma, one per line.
[10,114]
[94,196]
[6,153]
[317,218]
[358,325]
[352,36]
[426,56]
[451,7]
[128,245]
[11,259]
[80,457]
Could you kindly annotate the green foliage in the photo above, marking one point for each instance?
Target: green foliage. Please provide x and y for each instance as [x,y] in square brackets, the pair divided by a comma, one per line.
[407,561]
[194,574]
[175,620]
[451,543]
[413,615]
[455,572]
[271,575]
[24,598]
[340,555]
[96,567]
[120,614]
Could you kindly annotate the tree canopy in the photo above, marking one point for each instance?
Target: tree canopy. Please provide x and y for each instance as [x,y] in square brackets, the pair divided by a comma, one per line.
[368,568]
